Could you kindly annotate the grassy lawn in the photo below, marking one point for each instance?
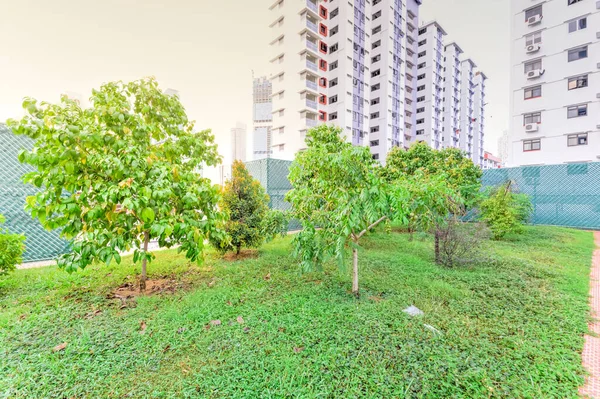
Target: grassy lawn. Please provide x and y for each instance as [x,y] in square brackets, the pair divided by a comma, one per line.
[511,328]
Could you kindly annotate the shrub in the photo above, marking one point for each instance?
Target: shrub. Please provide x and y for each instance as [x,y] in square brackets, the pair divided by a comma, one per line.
[250,220]
[11,249]
[461,243]
[505,211]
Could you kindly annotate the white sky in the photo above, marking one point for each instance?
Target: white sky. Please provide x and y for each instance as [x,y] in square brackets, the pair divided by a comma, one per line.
[206,50]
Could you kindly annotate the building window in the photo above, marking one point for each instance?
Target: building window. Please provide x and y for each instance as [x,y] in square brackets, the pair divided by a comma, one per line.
[422,42]
[323,82]
[421,77]
[377,29]
[323,66]
[333,99]
[333,48]
[323,12]
[333,65]
[532,12]
[577,24]
[422,65]
[376,15]
[376,157]
[322,116]
[376,87]
[419,121]
[374,129]
[375,59]
[533,38]
[577,111]
[323,30]
[333,82]
[532,145]
[374,143]
[375,115]
[421,88]
[420,99]
[578,82]
[333,116]
[571,2]
[535,117]
[323,47]
[574,140]
[533,65]
[334,30]
[420,132]
[578,53]
[323,99]
[422,54]
[376,44]
[375,101]
[335,13]
[376,73]
[533,92]
[420,110]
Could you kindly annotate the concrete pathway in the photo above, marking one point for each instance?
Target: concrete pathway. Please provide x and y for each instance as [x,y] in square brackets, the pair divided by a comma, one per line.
[591,350]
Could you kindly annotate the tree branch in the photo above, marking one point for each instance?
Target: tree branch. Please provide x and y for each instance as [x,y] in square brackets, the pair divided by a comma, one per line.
[370,227]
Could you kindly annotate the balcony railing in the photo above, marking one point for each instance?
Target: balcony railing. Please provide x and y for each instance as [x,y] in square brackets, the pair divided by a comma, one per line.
[311,65]
[311,85]
[312,46]
[312,6]
[312,26]
[311,122]
[311,104]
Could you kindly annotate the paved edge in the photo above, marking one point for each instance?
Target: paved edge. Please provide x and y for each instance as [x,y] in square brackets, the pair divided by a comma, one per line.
[591,349]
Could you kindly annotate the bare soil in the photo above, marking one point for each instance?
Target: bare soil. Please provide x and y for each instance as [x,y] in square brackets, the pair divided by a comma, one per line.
[245,254]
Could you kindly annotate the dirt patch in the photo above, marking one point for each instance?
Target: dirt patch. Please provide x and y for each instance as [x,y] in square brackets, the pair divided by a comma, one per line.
[245,254]
[153,287]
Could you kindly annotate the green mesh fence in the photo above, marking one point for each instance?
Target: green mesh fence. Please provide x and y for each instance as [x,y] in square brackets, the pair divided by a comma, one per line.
[562,195]
[39,244]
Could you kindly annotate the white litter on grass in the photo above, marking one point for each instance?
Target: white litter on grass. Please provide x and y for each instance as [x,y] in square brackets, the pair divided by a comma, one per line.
[432,329]
[413,311]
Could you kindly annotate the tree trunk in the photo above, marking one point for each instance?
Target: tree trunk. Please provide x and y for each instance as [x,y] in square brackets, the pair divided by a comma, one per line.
[239,250]
[437,247]
[355,272]
[144,262]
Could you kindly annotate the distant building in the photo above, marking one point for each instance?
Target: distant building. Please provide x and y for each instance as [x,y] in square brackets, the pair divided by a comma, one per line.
[262,118]
[504,147]
[238,142]
[555,82]
[491,161]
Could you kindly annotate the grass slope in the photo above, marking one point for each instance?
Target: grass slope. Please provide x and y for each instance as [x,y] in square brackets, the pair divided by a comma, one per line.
[510,328]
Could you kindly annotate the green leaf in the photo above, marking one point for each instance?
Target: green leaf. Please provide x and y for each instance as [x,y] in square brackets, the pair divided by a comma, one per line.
[148,215]
[70,167]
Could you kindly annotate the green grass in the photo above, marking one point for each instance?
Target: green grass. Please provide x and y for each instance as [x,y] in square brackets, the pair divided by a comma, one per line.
[511,328]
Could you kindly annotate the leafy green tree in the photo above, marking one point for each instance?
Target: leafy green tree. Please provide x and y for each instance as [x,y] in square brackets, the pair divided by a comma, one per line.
[118,174]
[247,204]
[11,249]
[447,183]
[338,195]
[504,211]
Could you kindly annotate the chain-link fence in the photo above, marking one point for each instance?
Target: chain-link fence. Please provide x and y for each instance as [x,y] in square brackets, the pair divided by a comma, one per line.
[562,195]
[40,244]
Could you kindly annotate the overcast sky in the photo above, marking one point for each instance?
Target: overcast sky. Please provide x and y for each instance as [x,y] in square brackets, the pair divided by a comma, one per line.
[206,50]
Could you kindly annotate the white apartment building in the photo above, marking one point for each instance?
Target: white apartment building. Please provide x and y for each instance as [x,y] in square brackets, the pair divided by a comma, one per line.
[490,161]
[262,115]
[368,68]
[430,84]
[348,64]
[555,82]
[238,142]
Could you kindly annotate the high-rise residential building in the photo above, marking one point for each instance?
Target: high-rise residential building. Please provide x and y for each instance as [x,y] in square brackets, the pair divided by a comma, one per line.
[490,161]
[555,82]
[430,84]
[504,147]
[479,118]
[263,118]
[238,142]
[368,68]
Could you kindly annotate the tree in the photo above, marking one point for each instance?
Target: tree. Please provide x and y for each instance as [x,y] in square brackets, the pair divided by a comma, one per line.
[11,249]
[449,184]
[118,174]
[250,221]
[505,211]
[338,195]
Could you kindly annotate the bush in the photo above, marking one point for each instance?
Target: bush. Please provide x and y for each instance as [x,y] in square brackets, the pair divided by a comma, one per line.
[460,243]
[250,220]
[11,249]
[505,211]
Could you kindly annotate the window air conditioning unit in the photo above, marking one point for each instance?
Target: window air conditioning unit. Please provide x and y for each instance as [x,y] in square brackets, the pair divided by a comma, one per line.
[531,127]
[533,48]
[534,20]
[535,74]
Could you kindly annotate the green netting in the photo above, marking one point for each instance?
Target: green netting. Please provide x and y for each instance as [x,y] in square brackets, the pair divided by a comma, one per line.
[562,195]
[39,244]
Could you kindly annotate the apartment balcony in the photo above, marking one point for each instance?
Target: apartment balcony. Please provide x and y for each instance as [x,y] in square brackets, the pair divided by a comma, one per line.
[312,46]
[312,66]
[311,123]
[312,6]
[312,26]
[311,104]
[312,85]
